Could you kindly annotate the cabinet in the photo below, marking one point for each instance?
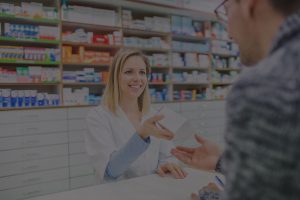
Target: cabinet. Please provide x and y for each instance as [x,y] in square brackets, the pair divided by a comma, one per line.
[191,57]
[49,156]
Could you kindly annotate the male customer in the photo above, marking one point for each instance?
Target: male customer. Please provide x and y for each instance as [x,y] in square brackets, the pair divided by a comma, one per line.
[262,154]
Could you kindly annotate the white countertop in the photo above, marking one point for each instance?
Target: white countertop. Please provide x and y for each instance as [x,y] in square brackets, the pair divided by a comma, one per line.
[150,187]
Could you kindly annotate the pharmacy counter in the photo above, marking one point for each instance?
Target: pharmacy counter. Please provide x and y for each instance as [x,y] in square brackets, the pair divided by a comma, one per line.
[150,187]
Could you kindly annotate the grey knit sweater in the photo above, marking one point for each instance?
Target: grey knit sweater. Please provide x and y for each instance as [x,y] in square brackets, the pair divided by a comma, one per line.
[262,156]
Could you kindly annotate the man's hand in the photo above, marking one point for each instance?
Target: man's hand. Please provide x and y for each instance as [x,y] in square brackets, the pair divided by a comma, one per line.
[204,157]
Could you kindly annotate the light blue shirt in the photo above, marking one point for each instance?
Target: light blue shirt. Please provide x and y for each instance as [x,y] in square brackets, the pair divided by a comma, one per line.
[120,160]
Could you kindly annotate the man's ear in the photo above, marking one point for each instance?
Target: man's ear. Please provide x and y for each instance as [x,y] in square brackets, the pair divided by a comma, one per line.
[248,8]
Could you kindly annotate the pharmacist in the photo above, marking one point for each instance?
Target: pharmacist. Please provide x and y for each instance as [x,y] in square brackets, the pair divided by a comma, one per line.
[123,140]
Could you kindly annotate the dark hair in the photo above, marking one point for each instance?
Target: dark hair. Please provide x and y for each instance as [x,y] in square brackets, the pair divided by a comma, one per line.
[286,7]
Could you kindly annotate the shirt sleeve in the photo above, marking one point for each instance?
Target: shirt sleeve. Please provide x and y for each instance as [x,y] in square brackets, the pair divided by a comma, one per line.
[121,160]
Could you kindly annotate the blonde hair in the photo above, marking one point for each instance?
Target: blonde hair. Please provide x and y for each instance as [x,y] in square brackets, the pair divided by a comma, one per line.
[112,93]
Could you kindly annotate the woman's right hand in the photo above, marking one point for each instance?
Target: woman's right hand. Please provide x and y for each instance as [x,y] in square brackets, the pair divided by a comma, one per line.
[150,128]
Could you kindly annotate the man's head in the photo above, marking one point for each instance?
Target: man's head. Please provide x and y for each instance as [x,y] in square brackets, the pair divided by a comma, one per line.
[253,24]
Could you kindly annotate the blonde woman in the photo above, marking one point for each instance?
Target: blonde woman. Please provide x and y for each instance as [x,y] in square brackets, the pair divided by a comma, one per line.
[123,140]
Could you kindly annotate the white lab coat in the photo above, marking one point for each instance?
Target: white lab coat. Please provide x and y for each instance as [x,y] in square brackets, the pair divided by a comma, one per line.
[108,132]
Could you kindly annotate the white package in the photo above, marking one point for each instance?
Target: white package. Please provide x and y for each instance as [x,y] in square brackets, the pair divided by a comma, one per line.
[172,120]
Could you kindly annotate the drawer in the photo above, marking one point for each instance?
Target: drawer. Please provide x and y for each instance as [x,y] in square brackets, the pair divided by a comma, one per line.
[33,141]
[83,181]
[35,190]
[77,136]
[81,170]
[78,147]
[77,124]
[8,130]
[79,159]
[7,117]
[78,113]
[11,182]
[22,116]
[33,166]
[33,153]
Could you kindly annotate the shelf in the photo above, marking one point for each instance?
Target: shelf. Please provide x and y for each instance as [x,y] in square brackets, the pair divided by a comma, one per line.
[96,27]
[17,62]
[181,84]
[86,65]
[225,83]
[190,68]
[84,84]
[45,107]
[140,32]
[223,55]
[183,51]
[31,41]
[226,69]
[145,49]
[159,67]
[29,84]
[20,19]
[189,38]
[153,83]
[98,46]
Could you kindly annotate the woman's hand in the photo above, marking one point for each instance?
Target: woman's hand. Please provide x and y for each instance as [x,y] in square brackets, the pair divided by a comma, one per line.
[171,168]
[151,127]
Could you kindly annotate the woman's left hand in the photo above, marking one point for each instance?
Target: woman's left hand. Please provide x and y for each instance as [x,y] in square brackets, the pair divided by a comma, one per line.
[171,168]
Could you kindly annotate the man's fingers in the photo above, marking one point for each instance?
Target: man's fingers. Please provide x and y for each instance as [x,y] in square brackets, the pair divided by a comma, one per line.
[185,149]
[182,156]
[200,139]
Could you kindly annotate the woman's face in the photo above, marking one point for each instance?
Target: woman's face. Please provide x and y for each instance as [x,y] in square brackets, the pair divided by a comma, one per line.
[133,77]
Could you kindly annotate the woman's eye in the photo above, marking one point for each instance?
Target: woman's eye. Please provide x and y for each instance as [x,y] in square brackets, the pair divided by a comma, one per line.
[127,72]
[142,72]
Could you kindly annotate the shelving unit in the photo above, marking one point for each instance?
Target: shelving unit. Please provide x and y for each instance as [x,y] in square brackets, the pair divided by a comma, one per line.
[136,26]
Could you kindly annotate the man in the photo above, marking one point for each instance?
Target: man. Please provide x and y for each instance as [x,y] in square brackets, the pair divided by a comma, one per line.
[262,154]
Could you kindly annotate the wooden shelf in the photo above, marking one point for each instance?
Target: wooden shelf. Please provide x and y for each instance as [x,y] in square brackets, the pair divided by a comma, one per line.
[226,69]
[189,38]
[223,55]
[29,84]
[84,84]
[18,62]
[157,83]
[182,84]
[145,49]
[29,41]
[86,65]
[95,27]
[220,83]
[190,68]
[139,32]
[96,46]
[159,67]
[21,19]
[197,52]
